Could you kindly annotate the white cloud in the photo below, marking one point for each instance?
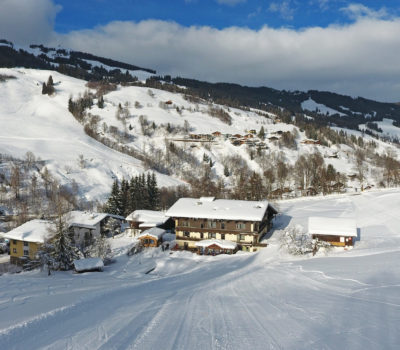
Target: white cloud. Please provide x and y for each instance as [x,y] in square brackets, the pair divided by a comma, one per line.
[360,59]
[356,11]
[283,8]
[27,21]
[356,59]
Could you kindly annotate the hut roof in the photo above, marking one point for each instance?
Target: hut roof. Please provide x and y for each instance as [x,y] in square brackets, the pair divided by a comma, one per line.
[332,226]
[220,243]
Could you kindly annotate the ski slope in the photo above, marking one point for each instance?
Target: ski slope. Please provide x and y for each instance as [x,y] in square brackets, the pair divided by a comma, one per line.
[43,125]
[265,300]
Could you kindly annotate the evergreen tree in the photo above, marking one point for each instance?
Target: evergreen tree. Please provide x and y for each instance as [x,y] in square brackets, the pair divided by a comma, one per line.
[143,196]
[113,203]
[50,81]
[63,252]
[100,102]
[153,192]
[44,89]
[261,133]
[124,198]
[133,194]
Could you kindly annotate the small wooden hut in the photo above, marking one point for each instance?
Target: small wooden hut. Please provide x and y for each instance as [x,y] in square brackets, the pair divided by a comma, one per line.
[152,237]
[337,231]
[216,247]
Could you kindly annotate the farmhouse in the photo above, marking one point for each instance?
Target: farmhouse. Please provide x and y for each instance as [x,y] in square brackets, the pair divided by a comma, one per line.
[311,142]
[337,231]
[25,240]
[84,226]
[242,222]
[141,220]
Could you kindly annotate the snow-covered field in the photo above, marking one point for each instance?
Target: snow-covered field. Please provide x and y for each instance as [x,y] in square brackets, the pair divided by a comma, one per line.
[266,300]
[311,105]
[388,129]
[43,125]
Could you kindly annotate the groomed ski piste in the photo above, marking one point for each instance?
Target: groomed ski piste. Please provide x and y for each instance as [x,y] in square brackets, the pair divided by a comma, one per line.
[343,299]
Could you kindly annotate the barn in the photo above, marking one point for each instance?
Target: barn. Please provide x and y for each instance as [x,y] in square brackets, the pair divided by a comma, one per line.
[337,231]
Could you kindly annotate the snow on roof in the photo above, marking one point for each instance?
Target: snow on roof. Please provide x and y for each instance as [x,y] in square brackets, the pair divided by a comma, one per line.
[88,264]
[332,226]
[32,231]
[219,209]
[84,218]
[149,218]
[155,232]
[220,243]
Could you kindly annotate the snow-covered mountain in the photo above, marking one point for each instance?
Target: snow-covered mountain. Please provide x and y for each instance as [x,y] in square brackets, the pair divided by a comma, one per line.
[74,63]
[43,125]
[148,121]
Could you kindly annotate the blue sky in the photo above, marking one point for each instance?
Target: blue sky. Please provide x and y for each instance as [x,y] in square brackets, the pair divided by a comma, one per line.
[220,14]
[349,47]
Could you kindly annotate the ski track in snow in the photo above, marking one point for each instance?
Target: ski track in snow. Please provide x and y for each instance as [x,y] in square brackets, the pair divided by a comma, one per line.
[268,300]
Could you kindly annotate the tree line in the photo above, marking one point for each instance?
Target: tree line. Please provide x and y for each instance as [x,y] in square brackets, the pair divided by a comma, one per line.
[139,192]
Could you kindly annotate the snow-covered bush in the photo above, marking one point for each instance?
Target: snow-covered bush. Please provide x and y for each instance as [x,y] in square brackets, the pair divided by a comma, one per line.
[296,242]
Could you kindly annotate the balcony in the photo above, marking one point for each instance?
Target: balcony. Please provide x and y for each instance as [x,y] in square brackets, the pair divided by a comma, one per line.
[183,238]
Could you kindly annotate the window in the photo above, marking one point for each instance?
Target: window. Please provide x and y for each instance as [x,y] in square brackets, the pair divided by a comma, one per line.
[223,236]
[14,241]
[26,244]
[240,226]
[15,250]
[222,225]
[212,224]
[186,234]
[242,237]
[202,225]
[201,235]
[212,235]
[185,223]
[26,252]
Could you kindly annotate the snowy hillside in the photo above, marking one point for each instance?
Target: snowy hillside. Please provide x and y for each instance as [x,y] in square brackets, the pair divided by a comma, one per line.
[42,124]
[265,300]
[172,134]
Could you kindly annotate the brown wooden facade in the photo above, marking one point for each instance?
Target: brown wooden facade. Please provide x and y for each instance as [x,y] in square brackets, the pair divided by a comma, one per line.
[247,234]
[215,249]
[149,241]
[339,241]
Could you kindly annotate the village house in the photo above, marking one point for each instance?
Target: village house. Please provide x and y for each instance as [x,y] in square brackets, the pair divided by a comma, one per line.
[25,240]
[141,220]
[216,134]
[84,226]
[337,231]
[311,142]
[242,222]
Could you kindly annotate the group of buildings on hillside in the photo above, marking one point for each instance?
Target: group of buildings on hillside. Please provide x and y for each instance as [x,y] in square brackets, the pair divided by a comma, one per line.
[204,225]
